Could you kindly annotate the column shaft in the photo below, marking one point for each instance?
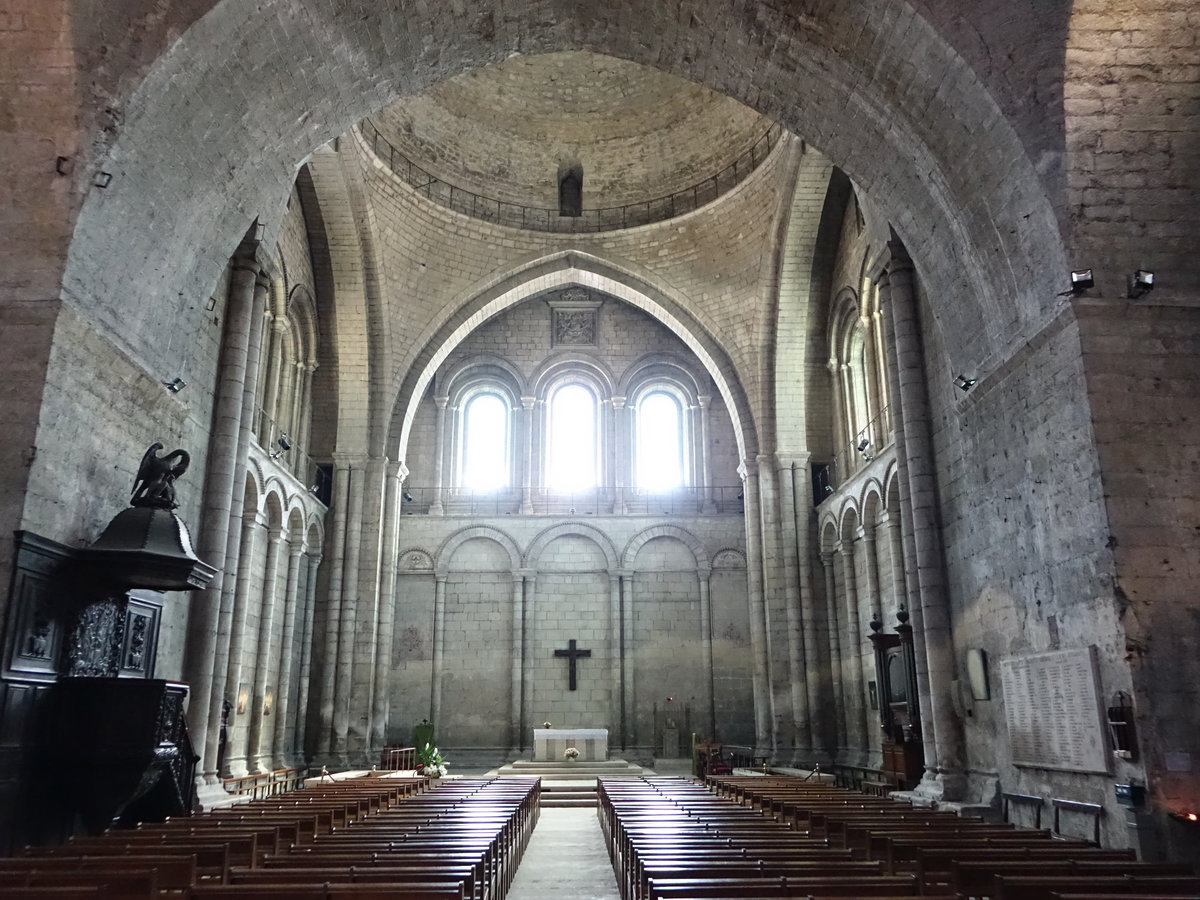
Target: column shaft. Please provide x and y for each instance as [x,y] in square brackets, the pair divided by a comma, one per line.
[287,652]
[835,652]
[256,757]
[306,648]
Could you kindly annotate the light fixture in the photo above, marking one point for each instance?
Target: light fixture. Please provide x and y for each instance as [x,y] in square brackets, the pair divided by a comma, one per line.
[284,446]
[828,489]
[175,385]
[260,229]
[864,444]
[1140,282]
[408,497]
[314,489]
[963,383]
[1081,280]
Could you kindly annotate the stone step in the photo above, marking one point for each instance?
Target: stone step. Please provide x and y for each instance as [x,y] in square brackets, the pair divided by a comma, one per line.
[565,796]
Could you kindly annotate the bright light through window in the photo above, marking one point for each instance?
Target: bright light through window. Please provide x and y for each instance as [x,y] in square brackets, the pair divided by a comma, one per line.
[660,445]
[485,437]
[572,439]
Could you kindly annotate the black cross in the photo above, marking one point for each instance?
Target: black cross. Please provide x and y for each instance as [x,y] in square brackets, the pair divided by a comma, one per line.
[572,654]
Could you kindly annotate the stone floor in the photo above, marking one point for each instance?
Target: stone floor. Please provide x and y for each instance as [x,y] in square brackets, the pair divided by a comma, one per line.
[565,858]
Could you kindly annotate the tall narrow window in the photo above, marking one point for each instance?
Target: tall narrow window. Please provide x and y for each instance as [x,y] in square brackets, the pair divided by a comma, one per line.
[570,189]
[485,443]
[572,439]
[659,442]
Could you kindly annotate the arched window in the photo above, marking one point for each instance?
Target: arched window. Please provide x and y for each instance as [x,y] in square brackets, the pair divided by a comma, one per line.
[485,442]
[572,439]
[659,442]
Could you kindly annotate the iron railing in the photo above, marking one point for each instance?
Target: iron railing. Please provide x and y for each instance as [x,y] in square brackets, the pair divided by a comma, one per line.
[292,458]
[534,218]
[853,458]
[690,501]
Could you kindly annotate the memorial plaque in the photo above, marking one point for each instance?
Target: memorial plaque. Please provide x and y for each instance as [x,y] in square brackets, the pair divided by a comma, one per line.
[1052,704]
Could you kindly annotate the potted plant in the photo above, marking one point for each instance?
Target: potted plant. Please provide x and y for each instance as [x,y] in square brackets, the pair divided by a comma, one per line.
[430,762]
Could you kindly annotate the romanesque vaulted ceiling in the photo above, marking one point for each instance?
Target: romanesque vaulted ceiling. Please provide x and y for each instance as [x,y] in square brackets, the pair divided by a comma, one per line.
[503,131]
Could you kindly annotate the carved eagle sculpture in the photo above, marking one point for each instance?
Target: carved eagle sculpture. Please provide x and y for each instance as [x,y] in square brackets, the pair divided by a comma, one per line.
[154,485]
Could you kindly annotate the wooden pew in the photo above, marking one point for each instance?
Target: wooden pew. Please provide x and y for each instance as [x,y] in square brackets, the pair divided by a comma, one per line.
[1045,887]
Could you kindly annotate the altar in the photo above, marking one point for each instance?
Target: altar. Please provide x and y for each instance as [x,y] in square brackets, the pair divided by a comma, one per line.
[550,743]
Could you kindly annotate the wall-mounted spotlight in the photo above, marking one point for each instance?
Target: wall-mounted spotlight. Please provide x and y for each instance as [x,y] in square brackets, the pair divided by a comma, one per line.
[1081,280]
[314,489]
[260,229]
[284,446]
[175,385]
[408,497]
[864,444]
[963,383]
[1140,282]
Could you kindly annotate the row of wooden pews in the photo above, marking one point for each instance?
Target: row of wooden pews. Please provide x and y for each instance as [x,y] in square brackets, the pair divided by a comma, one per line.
[360,839]
[671,839]
[947,855]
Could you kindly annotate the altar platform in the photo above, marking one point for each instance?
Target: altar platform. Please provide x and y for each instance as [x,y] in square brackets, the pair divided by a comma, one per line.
[550,744]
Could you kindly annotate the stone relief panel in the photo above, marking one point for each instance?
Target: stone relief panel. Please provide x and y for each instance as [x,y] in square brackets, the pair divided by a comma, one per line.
[574,318]
[416,561]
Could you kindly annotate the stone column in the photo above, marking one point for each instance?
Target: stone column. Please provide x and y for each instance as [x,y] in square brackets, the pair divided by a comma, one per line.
[802,504]
[306,647]
[304,412]
[835,652]
[436,508]
[628,710]
[262,663]
[797,665]
[207,641]
[381,691]
[516,713]
[855,708]
[235,751]
[622,473]
[841,460]
[614,633]
[343,688]
[439,648]
[764,702]
[333,608]
[706,482]
[279,325]
[708,699]
[287,644]
[920,473]
[527,405]
[868,552]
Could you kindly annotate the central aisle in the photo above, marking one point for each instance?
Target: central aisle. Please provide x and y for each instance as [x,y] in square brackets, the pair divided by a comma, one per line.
[565,858]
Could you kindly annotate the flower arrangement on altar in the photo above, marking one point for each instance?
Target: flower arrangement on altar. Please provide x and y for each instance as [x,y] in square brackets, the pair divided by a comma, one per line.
[570,754]
[430,762]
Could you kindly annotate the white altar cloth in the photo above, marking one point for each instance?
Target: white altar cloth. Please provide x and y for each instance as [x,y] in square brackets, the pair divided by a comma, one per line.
[549,743]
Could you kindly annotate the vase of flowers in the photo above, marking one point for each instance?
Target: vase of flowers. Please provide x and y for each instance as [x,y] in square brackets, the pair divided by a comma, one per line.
[430,762]
[570,754]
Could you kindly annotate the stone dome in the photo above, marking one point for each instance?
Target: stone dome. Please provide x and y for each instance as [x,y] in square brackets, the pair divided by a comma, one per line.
[506,131]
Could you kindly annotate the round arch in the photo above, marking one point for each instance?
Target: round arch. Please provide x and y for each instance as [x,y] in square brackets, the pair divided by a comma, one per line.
[449,546]
[639,540]
[985,235]
[578,529]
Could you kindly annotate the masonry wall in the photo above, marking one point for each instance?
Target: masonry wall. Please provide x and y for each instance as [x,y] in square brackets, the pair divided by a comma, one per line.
[1028,546]
[568,595]
[1141,364]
